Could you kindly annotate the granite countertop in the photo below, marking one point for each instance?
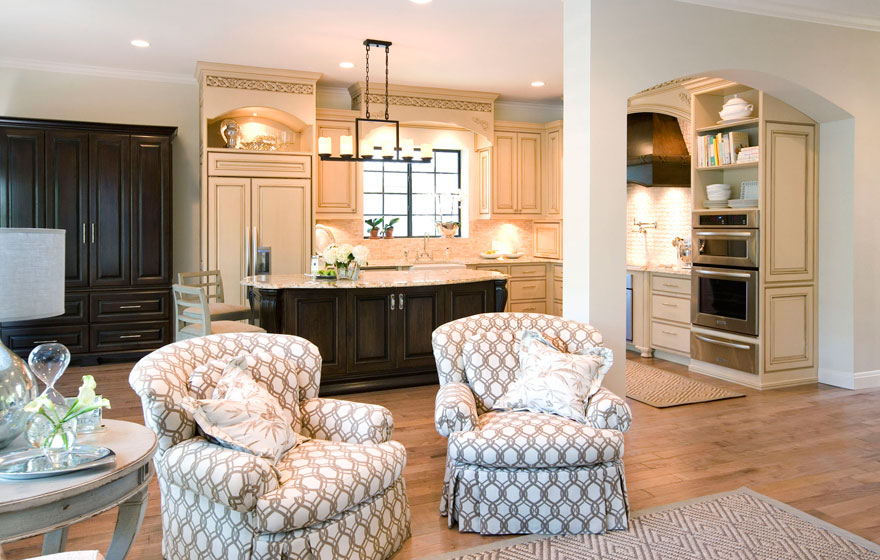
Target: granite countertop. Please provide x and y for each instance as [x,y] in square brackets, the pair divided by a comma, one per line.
[375,279]
[659,268]
[467,261]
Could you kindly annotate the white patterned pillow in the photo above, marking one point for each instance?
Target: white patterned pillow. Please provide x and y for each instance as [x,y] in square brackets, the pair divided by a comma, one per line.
[553,381]
[241,414]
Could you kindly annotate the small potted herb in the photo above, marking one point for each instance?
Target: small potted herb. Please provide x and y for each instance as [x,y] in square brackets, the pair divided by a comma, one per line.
[389,228]
[374,224]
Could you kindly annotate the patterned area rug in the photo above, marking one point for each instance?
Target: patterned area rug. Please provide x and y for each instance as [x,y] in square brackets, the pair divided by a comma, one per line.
[734,525]
[661,389]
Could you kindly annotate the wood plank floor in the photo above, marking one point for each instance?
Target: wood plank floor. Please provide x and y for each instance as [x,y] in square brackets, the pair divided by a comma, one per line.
[815,447]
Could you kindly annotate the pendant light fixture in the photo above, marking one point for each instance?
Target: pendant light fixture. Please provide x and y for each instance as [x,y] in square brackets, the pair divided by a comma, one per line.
[355,149]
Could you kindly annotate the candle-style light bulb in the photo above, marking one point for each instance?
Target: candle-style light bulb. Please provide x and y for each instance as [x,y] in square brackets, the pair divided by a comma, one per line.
[324,146]
[366,149]
[346,146]
[426,151]
[407,148]
[388,149]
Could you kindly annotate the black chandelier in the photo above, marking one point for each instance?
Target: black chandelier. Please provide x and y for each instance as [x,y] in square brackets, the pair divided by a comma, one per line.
[355,149]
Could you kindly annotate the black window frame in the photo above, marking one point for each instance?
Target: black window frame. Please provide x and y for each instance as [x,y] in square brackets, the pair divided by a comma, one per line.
[409,192]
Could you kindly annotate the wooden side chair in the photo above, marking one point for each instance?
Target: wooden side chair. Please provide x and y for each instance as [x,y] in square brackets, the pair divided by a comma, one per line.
[199,323]
[212,283]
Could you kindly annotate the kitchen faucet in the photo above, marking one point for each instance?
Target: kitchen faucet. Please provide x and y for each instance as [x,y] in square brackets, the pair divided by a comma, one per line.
[424,254]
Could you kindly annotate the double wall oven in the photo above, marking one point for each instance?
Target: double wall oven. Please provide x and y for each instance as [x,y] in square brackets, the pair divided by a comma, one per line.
[724,278]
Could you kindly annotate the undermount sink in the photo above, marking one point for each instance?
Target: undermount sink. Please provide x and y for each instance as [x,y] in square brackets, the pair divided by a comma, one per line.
[437,266]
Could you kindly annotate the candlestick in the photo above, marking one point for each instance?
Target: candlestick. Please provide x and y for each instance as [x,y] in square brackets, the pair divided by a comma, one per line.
[324,145]
[346,146]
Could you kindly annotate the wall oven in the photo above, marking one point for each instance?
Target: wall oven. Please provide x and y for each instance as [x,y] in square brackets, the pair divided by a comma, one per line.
[724,279]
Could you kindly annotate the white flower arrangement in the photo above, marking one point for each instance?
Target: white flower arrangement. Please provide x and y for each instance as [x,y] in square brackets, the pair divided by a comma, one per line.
[343,255]
[86,401]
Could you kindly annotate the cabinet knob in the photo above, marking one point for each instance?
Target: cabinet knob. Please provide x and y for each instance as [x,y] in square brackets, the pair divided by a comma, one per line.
[400,301]
[393,302]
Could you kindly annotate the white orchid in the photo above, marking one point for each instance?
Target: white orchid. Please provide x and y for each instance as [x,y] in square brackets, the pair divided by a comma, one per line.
[38,404]
[86,394]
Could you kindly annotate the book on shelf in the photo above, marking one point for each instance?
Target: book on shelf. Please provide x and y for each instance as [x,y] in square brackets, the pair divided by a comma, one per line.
[748,154]
[722,148]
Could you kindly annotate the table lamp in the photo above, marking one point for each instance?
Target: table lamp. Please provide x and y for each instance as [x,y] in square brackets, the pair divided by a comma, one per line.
[31,287]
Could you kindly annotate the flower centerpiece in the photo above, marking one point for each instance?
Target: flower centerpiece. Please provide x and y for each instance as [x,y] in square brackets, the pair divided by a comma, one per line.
[53,427]
[346,259]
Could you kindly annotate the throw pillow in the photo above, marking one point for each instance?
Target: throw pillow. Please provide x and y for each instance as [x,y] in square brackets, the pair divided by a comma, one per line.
[553,381]
[241,414]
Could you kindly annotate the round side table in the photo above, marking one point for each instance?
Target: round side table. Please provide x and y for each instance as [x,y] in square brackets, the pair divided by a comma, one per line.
[51,505]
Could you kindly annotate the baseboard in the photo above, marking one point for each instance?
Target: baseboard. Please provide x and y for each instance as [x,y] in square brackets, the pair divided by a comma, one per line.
[847,380]
[670,357]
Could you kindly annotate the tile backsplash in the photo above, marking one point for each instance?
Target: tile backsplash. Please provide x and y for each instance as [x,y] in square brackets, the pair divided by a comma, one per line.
[670,207]
[516,234]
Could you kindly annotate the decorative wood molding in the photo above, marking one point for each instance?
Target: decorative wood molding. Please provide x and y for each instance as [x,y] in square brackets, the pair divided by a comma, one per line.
[426,102]
[259,85]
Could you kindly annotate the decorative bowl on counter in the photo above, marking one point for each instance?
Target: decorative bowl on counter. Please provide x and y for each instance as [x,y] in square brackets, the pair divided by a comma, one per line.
[491,256]
[447,229]
[512,255]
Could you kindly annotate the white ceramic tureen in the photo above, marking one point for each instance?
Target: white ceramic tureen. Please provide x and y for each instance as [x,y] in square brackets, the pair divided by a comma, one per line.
[736,108]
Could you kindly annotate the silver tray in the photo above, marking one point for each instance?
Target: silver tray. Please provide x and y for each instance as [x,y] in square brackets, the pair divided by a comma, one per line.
[32,463]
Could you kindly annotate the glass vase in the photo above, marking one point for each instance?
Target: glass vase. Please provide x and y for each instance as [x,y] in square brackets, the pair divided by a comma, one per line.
[56,440]
[348,271]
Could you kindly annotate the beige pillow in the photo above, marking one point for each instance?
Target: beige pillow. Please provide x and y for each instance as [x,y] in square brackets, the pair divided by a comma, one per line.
[241,414]
[553,381]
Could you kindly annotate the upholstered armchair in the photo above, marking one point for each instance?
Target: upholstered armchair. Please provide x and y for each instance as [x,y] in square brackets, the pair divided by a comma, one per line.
[524,472]
[339,494]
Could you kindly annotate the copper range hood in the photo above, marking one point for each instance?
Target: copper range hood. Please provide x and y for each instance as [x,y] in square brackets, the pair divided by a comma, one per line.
[656,155]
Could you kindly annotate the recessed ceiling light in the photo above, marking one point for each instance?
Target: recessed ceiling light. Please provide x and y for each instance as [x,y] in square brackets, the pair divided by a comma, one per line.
[420,1]
[140,43]
[346,64]
[537,84]
[255,114]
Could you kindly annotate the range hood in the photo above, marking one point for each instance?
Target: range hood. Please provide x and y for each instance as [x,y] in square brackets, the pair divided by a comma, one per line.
[656,155]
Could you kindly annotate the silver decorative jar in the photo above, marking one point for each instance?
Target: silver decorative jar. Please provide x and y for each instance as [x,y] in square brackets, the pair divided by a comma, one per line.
[17,388]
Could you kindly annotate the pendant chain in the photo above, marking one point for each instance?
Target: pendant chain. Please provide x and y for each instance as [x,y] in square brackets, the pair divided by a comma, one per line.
[367,94]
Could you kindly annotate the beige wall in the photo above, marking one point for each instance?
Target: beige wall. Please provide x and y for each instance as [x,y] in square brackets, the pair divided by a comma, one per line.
[56,95]
[827,72]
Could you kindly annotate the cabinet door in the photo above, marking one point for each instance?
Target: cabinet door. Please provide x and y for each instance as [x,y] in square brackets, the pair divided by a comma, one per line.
[464,300]
[150,210]
[336,181]
[789,202]
[281,218]
[504,173]
[553,165]
[109,210]
[67,199]
[372,336]
[419,312]
[485,185]
[528,193]
[229,209]
[22,178]
[788,328]
[319,317]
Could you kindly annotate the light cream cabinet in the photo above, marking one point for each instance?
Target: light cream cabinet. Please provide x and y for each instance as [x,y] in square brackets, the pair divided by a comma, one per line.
[789,203]
[485,177]
[516,180]
[336,182]
[553,172]
[788,328]
[670,313]
[246,213]
[548,239]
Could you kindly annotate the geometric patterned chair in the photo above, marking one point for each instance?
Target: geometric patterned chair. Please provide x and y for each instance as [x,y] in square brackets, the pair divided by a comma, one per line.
[340,494]
[513,472]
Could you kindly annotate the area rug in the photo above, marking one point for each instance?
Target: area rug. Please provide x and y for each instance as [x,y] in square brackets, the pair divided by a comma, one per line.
[661,389]
[733,525]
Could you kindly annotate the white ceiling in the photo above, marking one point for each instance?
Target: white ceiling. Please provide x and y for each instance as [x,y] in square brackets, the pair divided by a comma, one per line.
[486,45]
[497,46]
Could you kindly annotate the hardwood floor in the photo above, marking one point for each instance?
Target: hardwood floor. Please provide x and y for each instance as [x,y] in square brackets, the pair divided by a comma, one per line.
[815,447]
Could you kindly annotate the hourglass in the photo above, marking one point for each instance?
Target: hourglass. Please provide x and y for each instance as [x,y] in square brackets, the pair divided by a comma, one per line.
[48,362]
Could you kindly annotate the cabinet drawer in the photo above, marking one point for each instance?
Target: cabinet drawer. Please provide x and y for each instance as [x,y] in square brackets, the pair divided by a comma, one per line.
[676,285]
[231,164]
[130,306]
[557,288]
[671,308]
[527,270]
[670,337]
[527,289]
[557,271]
[75,312]
[129,336]
[503,269]
[529,307]
[23,340]
[557,308]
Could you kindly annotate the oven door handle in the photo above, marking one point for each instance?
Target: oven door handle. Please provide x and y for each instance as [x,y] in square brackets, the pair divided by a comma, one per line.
[722,343]
[724,234]
[723,274]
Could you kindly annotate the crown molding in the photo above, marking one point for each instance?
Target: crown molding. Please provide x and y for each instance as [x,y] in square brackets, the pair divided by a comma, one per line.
[98,71]
[529,105]
[792,10]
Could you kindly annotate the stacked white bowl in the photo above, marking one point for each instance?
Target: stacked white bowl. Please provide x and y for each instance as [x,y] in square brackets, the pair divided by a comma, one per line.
[718,192]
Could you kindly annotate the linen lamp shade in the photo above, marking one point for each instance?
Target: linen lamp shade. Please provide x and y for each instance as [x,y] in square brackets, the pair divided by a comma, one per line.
[31,273]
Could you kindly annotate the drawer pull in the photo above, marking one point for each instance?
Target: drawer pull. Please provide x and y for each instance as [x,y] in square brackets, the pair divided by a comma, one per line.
[130,306]
[723,343]
[669,304]
[530,308]
[670,332]
[130,336]
[671,285]
[45,341]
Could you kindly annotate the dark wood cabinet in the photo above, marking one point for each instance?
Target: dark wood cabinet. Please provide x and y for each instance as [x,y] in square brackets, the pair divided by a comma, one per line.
[109,187]
[374,338]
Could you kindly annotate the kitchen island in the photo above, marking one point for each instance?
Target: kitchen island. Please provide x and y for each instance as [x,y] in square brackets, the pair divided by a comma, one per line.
[375,332]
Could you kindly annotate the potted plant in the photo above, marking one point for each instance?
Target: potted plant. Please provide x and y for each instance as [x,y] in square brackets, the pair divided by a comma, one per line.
[374,224]
[389,228]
